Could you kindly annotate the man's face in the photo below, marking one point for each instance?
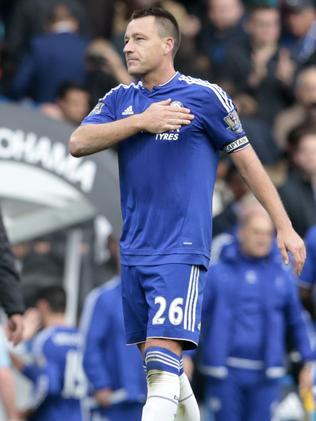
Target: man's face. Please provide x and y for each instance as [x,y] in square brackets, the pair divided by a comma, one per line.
[264,26]
[144,46]
[224,13]
[306,88]
[256,236]
[305,155]
[299,22]
[75,105]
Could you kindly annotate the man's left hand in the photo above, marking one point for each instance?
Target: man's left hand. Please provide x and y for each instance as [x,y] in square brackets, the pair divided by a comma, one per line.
[289,241]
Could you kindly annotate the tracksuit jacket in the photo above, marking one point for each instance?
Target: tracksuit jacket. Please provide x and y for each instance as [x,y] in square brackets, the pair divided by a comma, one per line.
[280,313]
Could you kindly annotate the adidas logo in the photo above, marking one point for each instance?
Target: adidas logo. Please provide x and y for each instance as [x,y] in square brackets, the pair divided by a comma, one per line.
[128,111]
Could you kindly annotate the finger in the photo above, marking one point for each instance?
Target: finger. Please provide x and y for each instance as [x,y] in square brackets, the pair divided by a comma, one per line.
[284,254]
[171,127]
[182,121]
[165,102]
[181,110]
[299,262]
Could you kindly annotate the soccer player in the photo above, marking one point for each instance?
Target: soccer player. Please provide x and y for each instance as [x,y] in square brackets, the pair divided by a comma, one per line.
[56,372]
[114,370]
[169,129]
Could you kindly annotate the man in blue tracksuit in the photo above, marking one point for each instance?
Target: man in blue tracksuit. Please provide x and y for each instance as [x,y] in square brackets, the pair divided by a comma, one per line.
[308,275]
[114,370]
[250,304]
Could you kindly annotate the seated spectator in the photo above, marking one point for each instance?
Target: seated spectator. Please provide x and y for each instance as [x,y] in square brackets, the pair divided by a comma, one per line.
[250,303]
[56,371]
[253,64]
[300,41]
[71,105]
[222,31]
[298,191]
[305,101]
[54,58]
[258,131]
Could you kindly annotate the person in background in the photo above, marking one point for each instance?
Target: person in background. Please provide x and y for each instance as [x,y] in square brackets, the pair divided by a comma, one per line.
[226,221]
[253,66]
[24,24]
[302,108]
[53,59]
[7,382]
[71,104]
[308,275]
[222,31]
[251,301]
[105,69]
[298,190]
[11,298]
[114,370]
[118,390]
[56,370]
[299,40]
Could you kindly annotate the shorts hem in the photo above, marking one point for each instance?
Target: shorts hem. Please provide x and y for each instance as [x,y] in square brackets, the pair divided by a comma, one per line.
[188,343]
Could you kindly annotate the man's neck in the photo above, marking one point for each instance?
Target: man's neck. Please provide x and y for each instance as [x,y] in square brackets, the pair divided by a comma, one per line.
[56,319]
[158,78]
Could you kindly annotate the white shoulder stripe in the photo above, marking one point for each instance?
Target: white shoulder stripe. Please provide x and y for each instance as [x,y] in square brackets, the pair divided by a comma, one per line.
[121,85]
[226,102]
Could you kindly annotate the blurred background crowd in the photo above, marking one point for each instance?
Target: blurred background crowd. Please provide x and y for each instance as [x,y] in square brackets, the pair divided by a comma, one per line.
[59,57]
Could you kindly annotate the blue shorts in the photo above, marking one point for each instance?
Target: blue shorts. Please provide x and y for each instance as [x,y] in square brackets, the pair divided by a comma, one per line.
[163,301]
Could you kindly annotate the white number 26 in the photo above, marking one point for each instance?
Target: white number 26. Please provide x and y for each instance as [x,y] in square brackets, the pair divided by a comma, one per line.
[175,312]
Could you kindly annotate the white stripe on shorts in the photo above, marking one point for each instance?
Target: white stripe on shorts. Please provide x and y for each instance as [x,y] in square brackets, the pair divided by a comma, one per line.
[195,300]
[187,323]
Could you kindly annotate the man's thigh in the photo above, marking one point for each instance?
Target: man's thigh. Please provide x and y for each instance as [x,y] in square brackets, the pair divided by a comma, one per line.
[223,400]
[262,400]
[164,302]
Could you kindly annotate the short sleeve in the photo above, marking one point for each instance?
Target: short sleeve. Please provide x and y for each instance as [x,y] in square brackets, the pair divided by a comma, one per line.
[221,120]
[104,111]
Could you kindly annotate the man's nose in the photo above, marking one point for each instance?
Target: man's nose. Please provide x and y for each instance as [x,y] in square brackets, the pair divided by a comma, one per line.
[128,47]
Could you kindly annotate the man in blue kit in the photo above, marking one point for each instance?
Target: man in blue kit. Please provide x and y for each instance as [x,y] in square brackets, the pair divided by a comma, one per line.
[56,370]
[169,129]
[308,275]
[114,370]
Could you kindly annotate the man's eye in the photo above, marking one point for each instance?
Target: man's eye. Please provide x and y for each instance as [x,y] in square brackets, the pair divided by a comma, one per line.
[139,38]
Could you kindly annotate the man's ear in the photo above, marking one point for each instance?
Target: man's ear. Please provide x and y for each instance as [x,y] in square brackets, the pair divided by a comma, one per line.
[168,45]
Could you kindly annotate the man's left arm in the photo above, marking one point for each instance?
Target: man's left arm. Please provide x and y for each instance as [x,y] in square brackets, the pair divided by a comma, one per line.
[261,185]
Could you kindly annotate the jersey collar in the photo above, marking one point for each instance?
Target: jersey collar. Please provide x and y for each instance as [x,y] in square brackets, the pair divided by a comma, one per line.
[161,87]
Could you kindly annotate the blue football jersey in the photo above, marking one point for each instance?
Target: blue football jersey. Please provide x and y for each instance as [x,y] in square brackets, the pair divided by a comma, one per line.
[167,179]
[57,375]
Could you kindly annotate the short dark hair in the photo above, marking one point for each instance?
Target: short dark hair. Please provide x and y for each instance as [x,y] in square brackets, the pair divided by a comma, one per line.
[297,134]
[68,86]
[166,20]
[55,296]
